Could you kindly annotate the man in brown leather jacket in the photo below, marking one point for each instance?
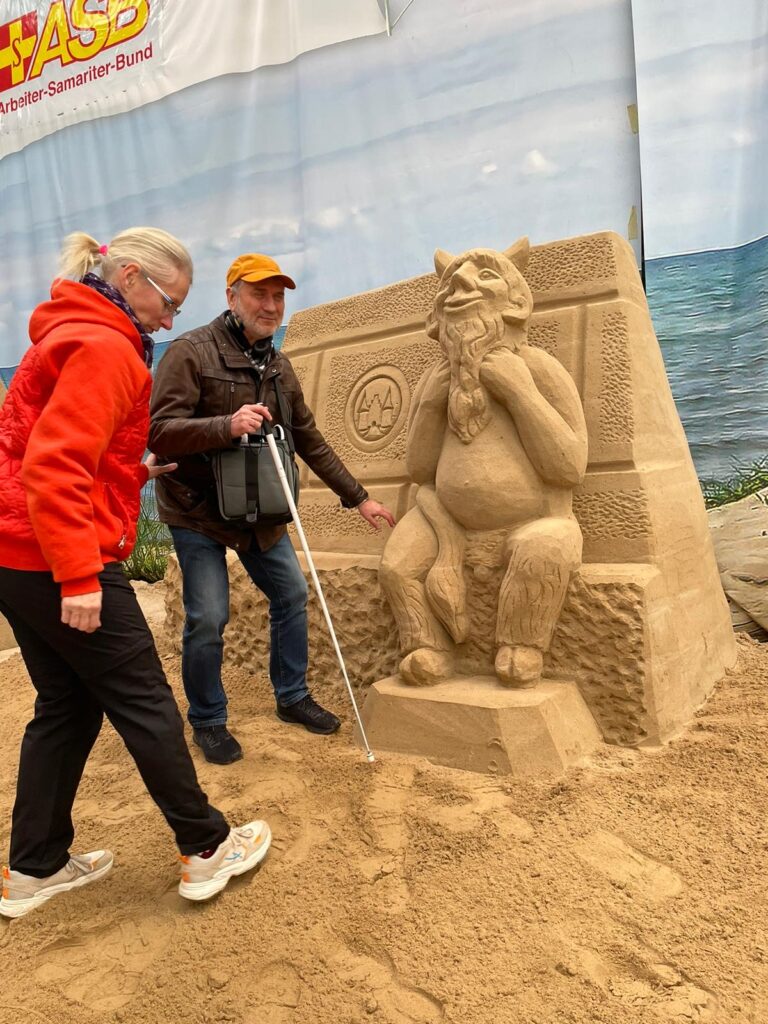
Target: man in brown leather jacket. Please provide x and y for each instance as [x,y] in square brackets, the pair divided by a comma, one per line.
[214,384]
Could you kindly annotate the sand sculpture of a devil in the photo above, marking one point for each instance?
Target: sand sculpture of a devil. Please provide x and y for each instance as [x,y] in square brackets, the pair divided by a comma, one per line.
[496,442]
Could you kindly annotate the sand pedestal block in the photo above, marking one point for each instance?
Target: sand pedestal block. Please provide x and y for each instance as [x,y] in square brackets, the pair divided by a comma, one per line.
[474,724]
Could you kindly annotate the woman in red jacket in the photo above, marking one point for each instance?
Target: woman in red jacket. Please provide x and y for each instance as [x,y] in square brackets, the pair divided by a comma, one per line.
[73,430]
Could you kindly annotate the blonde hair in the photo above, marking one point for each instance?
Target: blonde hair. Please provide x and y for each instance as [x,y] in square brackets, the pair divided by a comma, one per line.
[153,249]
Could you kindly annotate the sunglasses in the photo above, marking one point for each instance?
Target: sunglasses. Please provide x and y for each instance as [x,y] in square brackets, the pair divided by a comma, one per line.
[173,309]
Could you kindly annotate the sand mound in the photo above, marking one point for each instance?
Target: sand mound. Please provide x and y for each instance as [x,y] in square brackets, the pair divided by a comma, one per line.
[631,891]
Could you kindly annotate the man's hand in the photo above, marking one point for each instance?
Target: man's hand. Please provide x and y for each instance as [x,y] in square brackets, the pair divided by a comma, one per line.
[372,511]
[504,372]
[155,469]
[82,612]
[248,419]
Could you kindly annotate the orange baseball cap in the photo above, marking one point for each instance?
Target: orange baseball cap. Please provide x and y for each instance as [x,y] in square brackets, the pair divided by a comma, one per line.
[253,266]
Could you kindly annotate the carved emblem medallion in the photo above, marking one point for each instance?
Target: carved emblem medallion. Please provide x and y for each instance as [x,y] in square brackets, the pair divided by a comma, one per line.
[377,408]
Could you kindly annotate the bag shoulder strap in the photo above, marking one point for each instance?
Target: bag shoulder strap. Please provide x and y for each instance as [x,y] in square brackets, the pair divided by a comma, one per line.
[285,413]
[251,470]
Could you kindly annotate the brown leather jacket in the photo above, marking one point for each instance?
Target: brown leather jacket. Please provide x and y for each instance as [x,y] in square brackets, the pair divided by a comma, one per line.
[204,378]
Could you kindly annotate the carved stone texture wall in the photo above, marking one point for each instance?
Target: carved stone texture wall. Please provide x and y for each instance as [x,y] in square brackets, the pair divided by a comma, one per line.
[361,358]
[365,627]
[666,637]
[600,640]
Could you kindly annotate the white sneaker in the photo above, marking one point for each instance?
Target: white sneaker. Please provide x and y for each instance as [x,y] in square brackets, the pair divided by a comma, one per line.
[242,850]
[22,893]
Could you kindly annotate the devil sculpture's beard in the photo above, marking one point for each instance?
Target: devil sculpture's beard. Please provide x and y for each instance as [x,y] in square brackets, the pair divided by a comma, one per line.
[466,343]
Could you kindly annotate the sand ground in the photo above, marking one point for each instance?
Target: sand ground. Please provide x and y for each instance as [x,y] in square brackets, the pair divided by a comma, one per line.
[633,890]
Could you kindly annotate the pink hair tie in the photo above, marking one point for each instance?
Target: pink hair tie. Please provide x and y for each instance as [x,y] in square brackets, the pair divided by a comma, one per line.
[103,249]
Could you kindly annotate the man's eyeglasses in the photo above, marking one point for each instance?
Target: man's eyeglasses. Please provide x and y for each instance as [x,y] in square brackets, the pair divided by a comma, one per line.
[173,309]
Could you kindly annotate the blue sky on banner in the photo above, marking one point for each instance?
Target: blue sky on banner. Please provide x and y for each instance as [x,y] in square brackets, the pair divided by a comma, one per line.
[702,82]
[475,123]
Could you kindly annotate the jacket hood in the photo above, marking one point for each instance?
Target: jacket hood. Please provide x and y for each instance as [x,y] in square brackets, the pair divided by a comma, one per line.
[72,302]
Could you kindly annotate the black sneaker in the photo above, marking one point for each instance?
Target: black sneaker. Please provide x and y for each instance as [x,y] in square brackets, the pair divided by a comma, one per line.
[307,712]
[218,744]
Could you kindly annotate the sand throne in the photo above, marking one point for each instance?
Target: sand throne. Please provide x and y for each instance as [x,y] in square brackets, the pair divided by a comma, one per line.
[645,632]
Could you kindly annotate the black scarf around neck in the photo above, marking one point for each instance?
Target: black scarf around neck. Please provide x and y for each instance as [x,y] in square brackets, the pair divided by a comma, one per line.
[110,292]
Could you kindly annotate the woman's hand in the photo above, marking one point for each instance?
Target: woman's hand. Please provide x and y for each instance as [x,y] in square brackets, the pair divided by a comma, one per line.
[82,612]
[156,470]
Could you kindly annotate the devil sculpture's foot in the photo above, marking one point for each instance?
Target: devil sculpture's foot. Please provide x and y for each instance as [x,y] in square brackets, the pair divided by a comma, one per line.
[519,666]
[426,666]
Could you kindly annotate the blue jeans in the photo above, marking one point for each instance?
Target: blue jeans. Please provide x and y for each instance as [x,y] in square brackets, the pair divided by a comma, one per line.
[277,574]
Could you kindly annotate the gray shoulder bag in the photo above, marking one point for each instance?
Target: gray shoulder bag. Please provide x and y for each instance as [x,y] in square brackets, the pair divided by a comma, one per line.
[247,484]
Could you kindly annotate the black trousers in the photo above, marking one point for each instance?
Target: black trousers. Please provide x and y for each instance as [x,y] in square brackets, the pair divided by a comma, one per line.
[80,677]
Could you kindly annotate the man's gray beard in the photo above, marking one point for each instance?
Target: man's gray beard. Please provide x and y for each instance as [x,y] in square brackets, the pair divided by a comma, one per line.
[254,328]
[466,343]
[250,324]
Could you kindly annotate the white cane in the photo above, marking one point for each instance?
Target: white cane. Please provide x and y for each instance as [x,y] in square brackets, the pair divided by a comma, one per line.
[370,757]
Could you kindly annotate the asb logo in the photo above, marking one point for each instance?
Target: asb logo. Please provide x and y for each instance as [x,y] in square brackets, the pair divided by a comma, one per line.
[17,44]
[73,31]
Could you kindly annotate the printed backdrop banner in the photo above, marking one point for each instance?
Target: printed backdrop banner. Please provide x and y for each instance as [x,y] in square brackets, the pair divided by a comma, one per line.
[68,61]
[475,122]
[702,85]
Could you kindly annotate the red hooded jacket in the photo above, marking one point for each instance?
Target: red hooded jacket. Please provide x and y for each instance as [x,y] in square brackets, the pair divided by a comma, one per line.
[73,430]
